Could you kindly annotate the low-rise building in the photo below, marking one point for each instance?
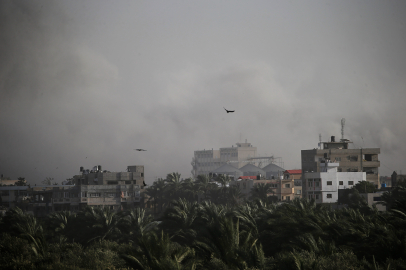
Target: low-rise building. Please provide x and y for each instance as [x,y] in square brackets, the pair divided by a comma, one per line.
[116,190]
[374,199]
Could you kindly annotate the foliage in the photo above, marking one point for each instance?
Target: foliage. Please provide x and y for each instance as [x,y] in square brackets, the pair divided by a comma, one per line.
[47,181]
[365,187]
[222,232]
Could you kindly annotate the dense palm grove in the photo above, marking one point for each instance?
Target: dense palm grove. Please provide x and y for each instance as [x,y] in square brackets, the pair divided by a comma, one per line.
[222,232]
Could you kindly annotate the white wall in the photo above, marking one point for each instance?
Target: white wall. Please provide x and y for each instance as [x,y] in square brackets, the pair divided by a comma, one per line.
[335,177]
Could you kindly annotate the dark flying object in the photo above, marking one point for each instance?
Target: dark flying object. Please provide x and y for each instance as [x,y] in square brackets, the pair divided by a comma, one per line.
[140,149]
[228,110]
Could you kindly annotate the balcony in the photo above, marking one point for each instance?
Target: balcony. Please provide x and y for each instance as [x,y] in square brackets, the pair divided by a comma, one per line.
[372,164]
[287,190]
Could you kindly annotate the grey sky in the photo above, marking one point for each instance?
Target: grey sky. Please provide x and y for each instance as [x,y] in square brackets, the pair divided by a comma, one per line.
[83,83]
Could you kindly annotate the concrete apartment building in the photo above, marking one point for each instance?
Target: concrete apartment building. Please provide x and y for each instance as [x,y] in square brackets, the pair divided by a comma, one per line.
[206,161]
[285,188]
[116,190]
[348,160]
[290,185]
[323,186]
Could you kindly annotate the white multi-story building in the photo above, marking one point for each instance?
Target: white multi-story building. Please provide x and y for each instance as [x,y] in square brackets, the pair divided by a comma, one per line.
[323,186]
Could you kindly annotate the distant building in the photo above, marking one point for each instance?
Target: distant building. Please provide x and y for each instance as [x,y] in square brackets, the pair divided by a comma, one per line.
[250,169]
[323,186]
[206,161]
[273,171]
[285,188]
[396,179]
[4,182]
[348,160]
[115,190]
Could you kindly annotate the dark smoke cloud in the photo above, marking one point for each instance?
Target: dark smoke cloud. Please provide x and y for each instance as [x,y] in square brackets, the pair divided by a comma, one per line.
[83,84]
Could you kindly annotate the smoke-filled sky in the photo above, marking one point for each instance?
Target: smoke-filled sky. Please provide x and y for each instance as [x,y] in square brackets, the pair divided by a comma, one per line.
[83,83]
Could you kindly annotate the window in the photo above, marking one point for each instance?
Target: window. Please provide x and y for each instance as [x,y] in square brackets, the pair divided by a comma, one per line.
[317,184]
[84,194]
[310,197]
[111,195]
[339,169]
[288,198]
[282,197]
[350,183]
[338,158]
[112,182]
[329,196]
[310,184]
[340,183]
[287,185]
[94,195]
[298,191]
[377,199]
[317,196]
[142,174]
[329,183]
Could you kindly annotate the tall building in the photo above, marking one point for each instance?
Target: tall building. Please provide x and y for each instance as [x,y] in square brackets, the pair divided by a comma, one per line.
[206,161]
[348,160]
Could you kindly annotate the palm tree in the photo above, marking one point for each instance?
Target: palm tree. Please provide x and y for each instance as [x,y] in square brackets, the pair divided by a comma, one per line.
[157,252]
[29,228]
[63,223]
[233,195]
[209,212]
[103,222]
[260,191]
[157,193]
[223,179]
[180,221]
[174,185]
[204,185]
[225,247]
[138,223]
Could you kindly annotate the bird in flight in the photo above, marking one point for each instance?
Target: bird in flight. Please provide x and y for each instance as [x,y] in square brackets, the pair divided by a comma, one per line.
[228,110]
[140,149]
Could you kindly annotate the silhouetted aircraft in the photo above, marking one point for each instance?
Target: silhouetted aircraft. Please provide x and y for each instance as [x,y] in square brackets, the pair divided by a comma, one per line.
[228,110]
[140,149]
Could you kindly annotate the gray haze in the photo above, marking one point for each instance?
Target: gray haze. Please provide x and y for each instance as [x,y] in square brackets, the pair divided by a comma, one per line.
[83,83]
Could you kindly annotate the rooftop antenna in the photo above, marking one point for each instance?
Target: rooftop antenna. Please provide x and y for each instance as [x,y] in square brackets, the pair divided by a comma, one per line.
[342,128]
[320,140]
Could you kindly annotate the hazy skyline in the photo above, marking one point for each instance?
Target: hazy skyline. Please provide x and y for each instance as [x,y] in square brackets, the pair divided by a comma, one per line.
[84,83]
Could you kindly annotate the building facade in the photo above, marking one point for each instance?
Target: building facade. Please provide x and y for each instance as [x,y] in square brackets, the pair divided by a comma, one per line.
[323,186]
[206,161]
[349,160]
[115,190]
